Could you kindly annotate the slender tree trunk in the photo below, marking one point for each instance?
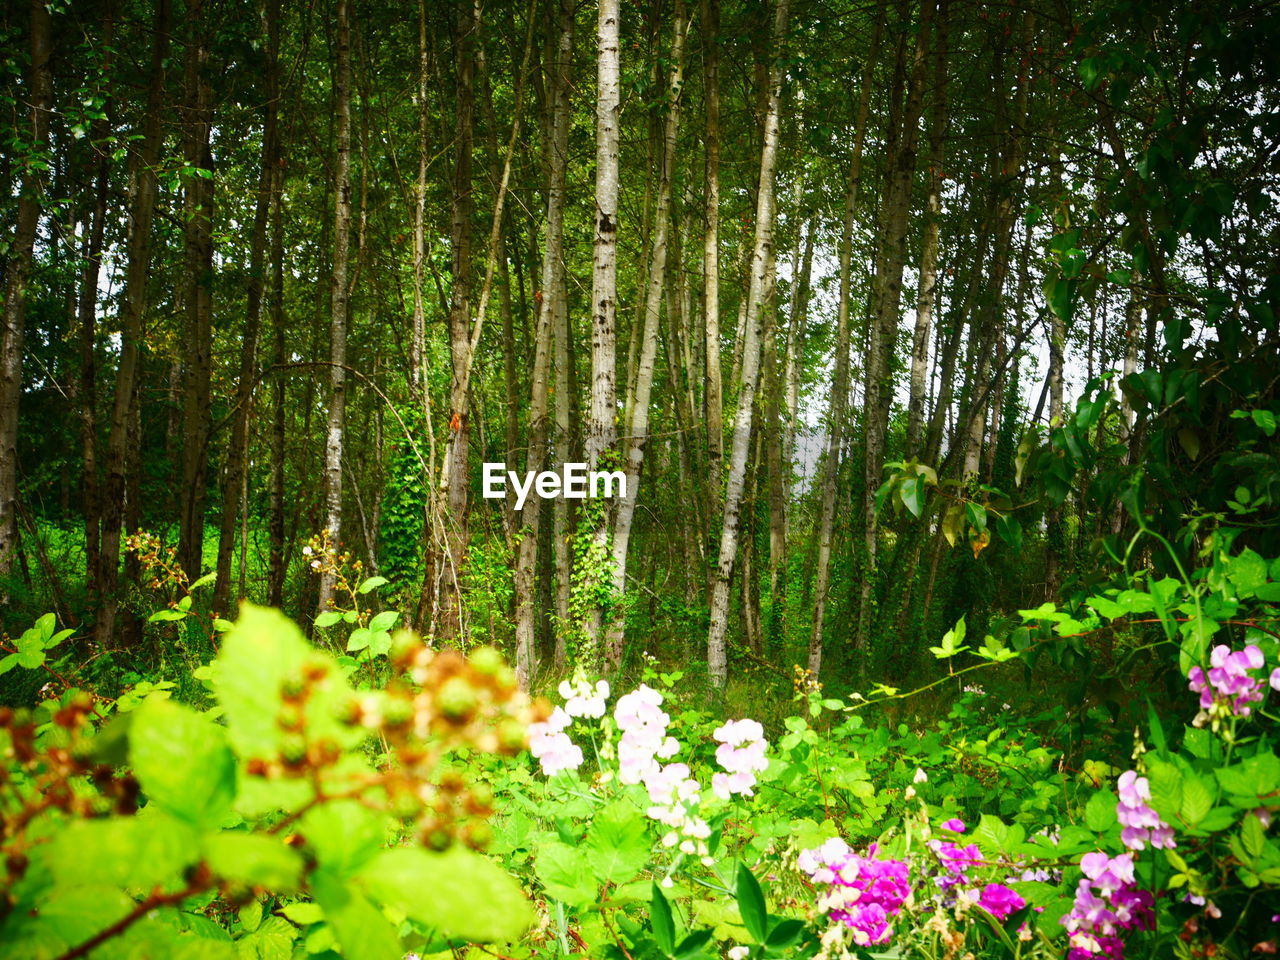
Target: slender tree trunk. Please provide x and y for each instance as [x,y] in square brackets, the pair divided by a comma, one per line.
[638,401]
[601,429]
[757,292]
[275,523]
[87,317]
[929,246]
[133,309]
[198,202]
[546,342]
[236,476]
[339,295]
[714,393]
[418,330]
[840,376]
[12,325]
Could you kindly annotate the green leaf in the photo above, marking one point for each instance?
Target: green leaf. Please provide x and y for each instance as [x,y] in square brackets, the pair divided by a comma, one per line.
[1252,836]
[273,940]
[617,845]
[138,852]
[263,654]
[1265,420]
[1258,776]
[207,579]
[8,663]
[1197,801]
[303,913]
[559,868]
[255,860]
[328,618]
[952,523]
[372,583]
[1100,811]
[182,762]
[361,929]
[385,620]
[359,639]
[251,915]
[1247,572]
[343,835]
[664,928]
[162,616]
[1010,531]
[751,904]
[470,896]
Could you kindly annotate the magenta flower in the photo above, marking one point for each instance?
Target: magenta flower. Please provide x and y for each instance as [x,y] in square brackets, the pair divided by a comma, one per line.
[1107,904]
[1142,825]
[999,901]
[1228,684]
[863,893]
[955,825]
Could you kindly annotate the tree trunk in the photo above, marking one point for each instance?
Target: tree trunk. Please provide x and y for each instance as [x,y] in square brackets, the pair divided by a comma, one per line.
[929,245]
[714,394]
[840,376]
[133,308]
[339,296]
[546,342]
[638,401]
[198,202]
[717,663]
[601,430]
[12,325]
[236,476]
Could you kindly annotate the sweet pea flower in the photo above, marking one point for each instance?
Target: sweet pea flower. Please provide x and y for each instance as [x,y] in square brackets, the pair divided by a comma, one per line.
[742,755]
[1142,825]
[1000,901]
[1228,689]
[583,700]
[551,746]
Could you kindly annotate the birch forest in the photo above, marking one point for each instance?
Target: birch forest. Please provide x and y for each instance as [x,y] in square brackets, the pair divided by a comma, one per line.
[908,340]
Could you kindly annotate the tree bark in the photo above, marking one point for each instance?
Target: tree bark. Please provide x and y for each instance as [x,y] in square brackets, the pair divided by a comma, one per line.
[601,428]
[133,309]
[886,295]
[12,325]
[198,200]
[339,295]
[547,341]
[840,375]
[714,393]
[717,663]
[929,245]
[638,401]
[236,476]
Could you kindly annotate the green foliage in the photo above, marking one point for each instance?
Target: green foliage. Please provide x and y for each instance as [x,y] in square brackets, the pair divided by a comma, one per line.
[125,831]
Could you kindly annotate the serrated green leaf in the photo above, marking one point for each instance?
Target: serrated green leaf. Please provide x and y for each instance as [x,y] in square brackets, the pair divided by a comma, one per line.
[472,898]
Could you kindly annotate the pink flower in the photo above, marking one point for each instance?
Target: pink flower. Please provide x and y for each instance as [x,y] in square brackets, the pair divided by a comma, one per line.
[1000,901]
[955,825]
[551,745]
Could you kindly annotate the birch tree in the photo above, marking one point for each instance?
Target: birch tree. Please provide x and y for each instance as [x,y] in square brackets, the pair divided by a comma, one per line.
[757,291]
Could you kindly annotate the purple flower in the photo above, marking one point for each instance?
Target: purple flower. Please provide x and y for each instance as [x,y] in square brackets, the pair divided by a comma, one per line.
[1142,825]
[955,825]
[1107,904]
[999,901]
[956,862]
[863,893]
[1228,684]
